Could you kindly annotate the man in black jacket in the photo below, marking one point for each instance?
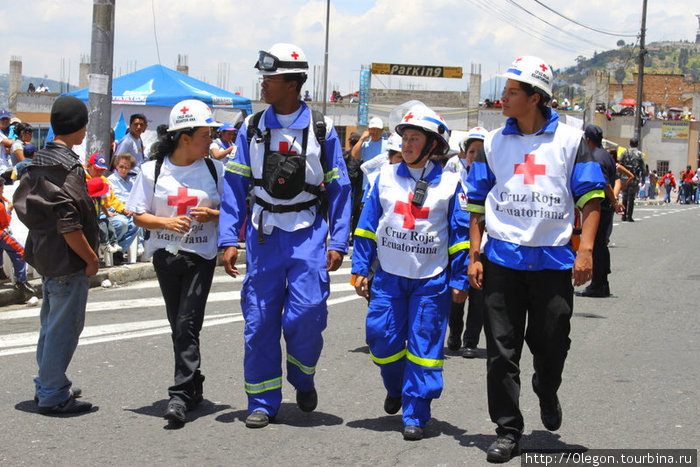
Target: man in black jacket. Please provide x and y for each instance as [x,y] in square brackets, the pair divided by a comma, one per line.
[53,202]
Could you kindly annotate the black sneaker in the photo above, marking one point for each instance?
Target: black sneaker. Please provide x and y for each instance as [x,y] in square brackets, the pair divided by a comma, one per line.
[175,412]
[258,419]
[72,392]
[26,289]
[454,343]
[3,277]
[412,433]
[470,352]
[70,406]
[307,401]
[502,450]
[392,404]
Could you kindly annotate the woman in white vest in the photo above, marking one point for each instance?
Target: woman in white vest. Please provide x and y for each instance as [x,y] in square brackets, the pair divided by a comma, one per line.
[525,184]
[176,197]
[414,222]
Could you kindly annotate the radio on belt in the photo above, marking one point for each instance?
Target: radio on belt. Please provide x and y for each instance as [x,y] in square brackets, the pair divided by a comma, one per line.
[420,192]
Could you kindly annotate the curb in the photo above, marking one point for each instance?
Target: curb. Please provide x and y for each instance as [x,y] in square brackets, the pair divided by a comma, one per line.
[116,274]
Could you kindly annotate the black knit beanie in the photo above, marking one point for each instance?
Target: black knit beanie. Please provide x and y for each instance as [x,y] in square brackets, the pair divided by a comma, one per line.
[68,115]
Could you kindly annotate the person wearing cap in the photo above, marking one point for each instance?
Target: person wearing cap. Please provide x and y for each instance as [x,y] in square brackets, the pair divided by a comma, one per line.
[113,211]
[131,142]
[290,158]
[633,160]
[5,142]
[223,146]
[414,223]
[371,144]
[466,344]
[523,188]
[599,286]
[355,175]
[177,197]
[52,201]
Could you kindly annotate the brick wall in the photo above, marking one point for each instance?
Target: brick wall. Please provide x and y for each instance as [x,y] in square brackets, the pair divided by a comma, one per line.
[666,90]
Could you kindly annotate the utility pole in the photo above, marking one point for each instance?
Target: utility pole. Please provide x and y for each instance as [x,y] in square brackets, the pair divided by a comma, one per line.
[640,77]
[100,87]
[324,99]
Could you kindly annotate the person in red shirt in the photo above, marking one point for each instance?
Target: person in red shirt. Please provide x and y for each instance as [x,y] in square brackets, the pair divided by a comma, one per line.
[668,181]
[687,185]
[13,248]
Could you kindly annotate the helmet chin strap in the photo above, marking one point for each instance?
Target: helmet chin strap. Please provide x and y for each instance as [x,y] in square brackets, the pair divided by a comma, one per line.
[430,138]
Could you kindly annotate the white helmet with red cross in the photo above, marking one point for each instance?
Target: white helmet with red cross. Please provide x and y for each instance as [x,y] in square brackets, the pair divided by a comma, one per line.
[531,70]
[475,134]
[394,142]
[423,118]
[191,113]
[282,58]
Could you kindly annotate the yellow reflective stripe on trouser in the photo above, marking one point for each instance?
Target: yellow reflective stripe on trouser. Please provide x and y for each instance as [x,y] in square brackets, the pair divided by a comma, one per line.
[424,361]
[256,388]
[238,169]
[365,233]
[390,359]
[458,246]
[331,175]
[309,370]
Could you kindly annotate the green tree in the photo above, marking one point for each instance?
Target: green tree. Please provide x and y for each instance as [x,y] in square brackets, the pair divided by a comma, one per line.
[621,43]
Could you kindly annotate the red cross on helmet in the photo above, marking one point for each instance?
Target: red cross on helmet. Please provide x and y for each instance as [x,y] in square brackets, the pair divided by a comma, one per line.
[282,58]
[423,118]
[191,113]
[531,70]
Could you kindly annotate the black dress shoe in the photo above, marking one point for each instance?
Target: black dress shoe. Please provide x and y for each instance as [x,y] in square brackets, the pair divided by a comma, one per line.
[412,433]
[392,404]
[629,219]
[175,412]
[596,293]
[470,352]
[307,401]
[70,406]
[502,450]
[624,218]
[454,342]
[550,409]
[258,419]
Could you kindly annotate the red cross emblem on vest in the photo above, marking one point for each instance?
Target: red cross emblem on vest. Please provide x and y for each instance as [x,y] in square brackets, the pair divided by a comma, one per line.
[182,201]
[529,169]
[285,149]
[410,212]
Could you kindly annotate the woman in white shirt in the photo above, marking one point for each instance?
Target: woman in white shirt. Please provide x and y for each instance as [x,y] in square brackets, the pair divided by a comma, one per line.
[176,197]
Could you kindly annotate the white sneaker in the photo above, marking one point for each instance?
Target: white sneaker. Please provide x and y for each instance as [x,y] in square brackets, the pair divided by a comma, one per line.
[114,248]
[139,250]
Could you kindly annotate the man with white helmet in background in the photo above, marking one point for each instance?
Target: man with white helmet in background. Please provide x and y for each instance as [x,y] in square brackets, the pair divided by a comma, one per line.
[392,155]
[525,184]
[415,224]
[292,158]
[371,144]
[467,343]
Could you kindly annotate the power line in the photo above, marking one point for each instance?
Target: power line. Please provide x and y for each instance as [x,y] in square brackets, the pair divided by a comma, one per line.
[617,34]
[155,35]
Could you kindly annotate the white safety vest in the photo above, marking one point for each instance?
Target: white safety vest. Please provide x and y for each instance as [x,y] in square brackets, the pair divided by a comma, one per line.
[531,203]
[413,241]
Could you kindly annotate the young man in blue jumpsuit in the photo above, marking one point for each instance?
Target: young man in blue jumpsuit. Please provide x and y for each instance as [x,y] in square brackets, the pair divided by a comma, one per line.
[525,184]
[415,222]
[287,282]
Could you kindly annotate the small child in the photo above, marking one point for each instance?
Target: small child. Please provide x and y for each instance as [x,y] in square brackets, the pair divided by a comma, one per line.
[13,248]
[97,189]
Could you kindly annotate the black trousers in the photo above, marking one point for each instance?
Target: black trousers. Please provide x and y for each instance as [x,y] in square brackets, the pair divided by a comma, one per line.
[543,300]
[601,254]
[475,318]
[185,280]
[628,196]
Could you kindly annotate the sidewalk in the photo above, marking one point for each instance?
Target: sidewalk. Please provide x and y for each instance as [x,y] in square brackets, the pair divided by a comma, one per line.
[116,275]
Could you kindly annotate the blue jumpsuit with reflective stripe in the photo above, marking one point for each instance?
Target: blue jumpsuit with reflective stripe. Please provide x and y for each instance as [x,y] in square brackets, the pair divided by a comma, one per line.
[286,283]
[407,318]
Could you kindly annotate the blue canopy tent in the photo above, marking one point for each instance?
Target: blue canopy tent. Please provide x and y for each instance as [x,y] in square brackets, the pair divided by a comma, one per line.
[154,90]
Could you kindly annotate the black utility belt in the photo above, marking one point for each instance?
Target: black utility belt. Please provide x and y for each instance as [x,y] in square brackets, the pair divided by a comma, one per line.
[281,208]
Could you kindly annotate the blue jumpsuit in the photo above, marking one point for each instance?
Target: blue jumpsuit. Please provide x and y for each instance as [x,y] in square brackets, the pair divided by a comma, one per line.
[286,283]
[407,317]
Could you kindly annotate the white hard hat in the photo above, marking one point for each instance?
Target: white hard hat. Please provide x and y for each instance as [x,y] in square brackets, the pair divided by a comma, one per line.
[531,70]
[282,58]
[476,133]
[191,113]
[375,122]
[423,118]
[394,142]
